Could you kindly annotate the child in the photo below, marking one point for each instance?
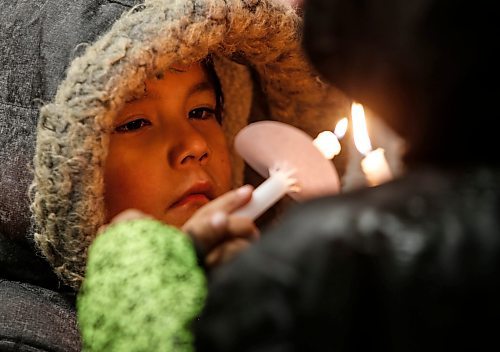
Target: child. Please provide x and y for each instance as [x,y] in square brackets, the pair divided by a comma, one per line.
[93,160]
[172,135]
[139,122]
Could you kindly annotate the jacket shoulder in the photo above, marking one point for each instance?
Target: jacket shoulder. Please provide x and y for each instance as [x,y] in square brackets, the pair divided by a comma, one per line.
[36,319]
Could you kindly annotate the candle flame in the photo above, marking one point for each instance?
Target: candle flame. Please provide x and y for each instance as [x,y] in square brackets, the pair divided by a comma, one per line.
[341,128]
[360,131]
[328,144]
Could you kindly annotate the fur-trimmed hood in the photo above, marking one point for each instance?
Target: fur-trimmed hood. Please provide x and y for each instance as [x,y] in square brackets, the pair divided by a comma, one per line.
[264,75]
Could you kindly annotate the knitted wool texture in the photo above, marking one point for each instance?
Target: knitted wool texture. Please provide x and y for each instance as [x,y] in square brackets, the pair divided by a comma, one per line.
[73,130]
[142,289]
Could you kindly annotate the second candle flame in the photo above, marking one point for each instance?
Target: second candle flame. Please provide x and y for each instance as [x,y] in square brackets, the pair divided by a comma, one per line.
[341,128]
[360,131]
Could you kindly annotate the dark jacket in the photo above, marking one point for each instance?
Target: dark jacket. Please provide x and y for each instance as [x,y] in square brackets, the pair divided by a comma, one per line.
[412,265]
[37,41]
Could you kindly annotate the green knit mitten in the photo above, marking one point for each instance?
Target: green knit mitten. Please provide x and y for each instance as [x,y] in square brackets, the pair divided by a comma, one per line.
[142,289]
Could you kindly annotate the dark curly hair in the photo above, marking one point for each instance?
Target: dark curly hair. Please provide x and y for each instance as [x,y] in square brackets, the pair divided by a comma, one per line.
[208,67]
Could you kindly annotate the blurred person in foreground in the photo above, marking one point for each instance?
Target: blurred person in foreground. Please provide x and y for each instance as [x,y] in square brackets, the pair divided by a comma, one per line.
[410,265]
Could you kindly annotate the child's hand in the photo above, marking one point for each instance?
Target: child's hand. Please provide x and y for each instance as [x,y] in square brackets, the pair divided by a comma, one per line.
[218,234]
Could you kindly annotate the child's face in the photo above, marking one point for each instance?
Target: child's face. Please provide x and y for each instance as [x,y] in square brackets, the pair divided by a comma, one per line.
[168,155]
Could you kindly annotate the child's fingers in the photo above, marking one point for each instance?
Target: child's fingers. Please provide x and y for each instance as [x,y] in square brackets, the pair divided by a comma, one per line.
[206,229]
[130,214]
[101,229]
[213,223]
[230,201]
[226,251]
[242,227]
[209,231]
[218,221]
[234,226]
[235,236]
[211,220]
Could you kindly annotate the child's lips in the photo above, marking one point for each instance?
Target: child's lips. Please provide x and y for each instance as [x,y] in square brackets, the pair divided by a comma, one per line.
[199,193]
[194,199]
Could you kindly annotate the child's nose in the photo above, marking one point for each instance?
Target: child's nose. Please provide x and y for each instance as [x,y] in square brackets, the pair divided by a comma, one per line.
[191,148]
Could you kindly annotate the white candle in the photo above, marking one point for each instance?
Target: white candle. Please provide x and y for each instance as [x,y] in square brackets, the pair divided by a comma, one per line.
[375,167]
[268,193]
[374,163]
[328,142]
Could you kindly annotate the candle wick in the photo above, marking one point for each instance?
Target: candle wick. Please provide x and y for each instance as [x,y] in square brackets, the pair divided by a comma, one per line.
[295,188]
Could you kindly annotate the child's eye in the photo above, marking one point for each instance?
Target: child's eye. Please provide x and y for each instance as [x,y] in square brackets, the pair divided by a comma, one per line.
[133,125]
[202,114]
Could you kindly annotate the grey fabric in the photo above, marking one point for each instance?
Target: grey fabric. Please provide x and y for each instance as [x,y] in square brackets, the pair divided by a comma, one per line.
[17,262]
[36,319]
[37,41]
[17,129]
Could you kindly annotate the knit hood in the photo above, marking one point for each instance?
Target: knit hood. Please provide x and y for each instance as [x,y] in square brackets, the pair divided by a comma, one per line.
[256,49]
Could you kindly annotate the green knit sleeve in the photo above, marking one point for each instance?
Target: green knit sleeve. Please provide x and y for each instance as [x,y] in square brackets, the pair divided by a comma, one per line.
[142,289]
